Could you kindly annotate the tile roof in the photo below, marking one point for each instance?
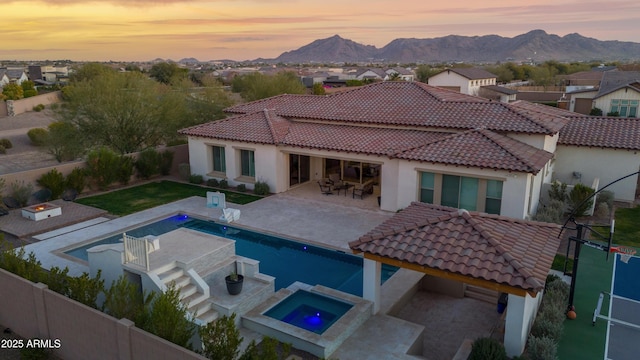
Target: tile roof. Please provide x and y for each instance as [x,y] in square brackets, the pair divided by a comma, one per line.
[402,103]
[614,80]
[516,253]
[602,132]
[264,127]
[471,73]
[481,148]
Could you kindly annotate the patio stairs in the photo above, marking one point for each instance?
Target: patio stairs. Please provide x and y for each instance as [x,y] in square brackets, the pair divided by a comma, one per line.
[190,295]
[482,294]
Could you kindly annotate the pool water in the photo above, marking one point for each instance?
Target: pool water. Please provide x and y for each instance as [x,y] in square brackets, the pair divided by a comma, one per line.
[309,311]
[286,260]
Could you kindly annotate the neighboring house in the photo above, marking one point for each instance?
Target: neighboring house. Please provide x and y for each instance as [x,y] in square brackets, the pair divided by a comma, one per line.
[414,142]
[375,74]
[4,79]
[499,93]
[402,74]
[16,76]
[618,94]
[464,80]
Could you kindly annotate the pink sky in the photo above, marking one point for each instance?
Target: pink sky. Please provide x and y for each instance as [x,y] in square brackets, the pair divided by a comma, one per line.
[139,30]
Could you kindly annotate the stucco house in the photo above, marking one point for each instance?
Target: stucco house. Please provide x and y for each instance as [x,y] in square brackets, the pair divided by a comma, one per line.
[415,142]
[618,93]
[4,79]
[16,76]
[465,80]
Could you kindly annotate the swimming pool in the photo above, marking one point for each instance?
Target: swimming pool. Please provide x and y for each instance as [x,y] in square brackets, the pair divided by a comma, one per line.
[286,260]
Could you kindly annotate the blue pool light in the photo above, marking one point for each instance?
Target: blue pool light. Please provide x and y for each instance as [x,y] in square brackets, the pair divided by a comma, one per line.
[304,248]
[314,320]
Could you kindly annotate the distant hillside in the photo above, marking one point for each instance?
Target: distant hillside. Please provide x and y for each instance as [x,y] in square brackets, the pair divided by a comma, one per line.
[536,45]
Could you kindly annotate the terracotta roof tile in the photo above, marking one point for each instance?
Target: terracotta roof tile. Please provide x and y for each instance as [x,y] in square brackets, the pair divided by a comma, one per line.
[402,103]
[481,148]
[507,251]
[603,132]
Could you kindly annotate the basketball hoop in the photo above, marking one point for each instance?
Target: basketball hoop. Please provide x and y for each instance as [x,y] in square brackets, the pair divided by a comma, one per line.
[625,252]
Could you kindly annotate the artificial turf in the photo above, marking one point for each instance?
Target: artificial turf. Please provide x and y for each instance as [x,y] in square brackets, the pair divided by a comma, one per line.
[141,197]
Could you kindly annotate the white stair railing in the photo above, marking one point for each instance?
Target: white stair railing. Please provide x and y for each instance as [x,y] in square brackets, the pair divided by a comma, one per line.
[136,251]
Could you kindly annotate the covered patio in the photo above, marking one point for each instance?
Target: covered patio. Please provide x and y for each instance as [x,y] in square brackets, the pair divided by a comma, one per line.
[457,249]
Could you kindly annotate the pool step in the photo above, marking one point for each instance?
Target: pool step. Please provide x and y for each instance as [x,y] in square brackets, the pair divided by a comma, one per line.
[189,293]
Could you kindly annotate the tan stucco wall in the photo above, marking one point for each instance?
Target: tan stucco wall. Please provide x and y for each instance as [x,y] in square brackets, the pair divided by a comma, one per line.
[33,311]
[606,164]
[24,105]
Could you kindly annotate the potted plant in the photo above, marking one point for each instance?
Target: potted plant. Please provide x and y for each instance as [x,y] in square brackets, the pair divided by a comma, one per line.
[234,283]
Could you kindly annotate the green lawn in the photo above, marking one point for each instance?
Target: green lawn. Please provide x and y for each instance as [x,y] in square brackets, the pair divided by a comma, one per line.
[138,198]
[627,228]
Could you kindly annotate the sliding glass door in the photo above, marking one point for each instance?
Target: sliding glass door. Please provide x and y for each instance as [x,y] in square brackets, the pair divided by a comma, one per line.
[299,169]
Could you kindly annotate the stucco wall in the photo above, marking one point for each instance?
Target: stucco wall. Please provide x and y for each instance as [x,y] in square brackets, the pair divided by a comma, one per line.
[606,164]
[33,311]
[180,155]
[515,188]
[23,105]
[450,79]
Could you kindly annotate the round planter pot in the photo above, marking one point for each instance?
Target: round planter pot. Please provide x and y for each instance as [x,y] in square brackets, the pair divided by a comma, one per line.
[234,287]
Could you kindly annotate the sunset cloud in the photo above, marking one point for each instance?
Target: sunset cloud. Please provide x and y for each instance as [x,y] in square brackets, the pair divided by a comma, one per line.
[248,29]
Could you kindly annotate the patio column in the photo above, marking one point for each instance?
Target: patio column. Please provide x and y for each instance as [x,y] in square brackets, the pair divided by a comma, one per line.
[521,312]
[372,271]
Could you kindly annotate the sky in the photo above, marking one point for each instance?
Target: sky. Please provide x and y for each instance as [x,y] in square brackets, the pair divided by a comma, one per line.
[143,30]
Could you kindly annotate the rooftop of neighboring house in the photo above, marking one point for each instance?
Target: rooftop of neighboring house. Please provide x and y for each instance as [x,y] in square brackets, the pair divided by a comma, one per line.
[602,132]
[470,73]
[614,80]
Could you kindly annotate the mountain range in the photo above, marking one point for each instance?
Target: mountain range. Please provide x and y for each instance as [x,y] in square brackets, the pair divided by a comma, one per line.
[535,45]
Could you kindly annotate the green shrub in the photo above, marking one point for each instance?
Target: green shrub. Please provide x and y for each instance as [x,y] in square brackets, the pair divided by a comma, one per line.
[38,108]
[77,179]
[606,197]
[6,143]
[224,184]
[3,150]
[269,349]
[103,167]
[241,187]
[196,179]
[547,328]
[15,262]
[487,348]
[166,162]
[213,183]
[558,191]
[221,339]
[578,194]
[123,300]
[54,181]
[148,163]
[38,136]
[34,353]
[552,212]
[168,318]
[125,169]
[21,192]
[542,348]
[602,210]
[261,188]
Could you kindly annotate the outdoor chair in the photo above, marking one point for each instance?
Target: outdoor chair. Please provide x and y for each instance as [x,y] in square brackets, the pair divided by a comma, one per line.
[335,180]
[325,188]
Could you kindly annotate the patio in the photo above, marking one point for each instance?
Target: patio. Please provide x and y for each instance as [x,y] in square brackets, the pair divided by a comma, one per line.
[303,214]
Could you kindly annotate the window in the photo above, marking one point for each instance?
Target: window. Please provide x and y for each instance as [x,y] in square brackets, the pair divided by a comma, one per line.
[461,192]
[219,164]
[624,108]
[494,197]
[247,163]
[427,186]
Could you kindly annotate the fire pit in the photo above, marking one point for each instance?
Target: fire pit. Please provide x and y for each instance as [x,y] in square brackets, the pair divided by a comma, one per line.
[41,211]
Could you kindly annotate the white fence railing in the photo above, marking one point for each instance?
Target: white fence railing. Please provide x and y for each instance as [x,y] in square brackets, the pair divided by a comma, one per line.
[136,251]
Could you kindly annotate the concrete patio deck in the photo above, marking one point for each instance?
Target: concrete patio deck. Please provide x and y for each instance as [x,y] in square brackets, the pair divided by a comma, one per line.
[332,221]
